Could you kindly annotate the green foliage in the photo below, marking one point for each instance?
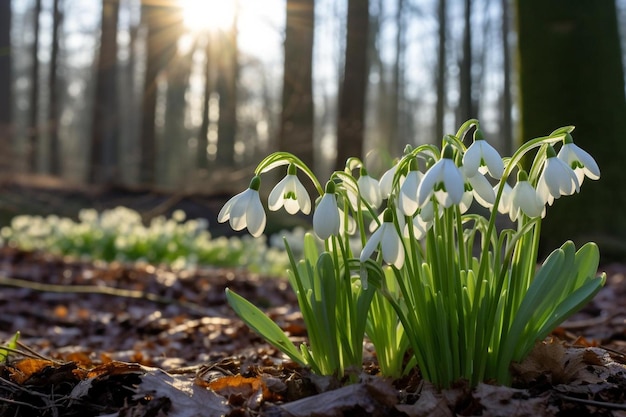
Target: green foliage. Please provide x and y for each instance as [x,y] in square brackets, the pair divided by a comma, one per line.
[120,235]
[10,346]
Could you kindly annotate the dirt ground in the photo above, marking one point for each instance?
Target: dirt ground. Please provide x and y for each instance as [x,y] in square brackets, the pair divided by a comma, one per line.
[120,340]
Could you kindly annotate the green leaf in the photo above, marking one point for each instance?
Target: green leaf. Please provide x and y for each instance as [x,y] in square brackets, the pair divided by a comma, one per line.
[11,344]
[266,328]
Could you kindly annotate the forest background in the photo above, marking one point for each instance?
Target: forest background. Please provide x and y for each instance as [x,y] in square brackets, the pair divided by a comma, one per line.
[188,95]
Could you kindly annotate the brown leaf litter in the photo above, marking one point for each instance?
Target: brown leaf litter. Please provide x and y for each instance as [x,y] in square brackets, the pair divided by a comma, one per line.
[144,341]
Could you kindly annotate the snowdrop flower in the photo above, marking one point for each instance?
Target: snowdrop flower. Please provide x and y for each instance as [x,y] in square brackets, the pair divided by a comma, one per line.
[481,156]
[556,179]
[369,189]
[245,210]
[524,198]
[407,198]
[482,190]
[386,181]
[420,227]
[579,160]
[290,193]
[381,218]
[504,205]
[326,218]
[444,179]
[389,240]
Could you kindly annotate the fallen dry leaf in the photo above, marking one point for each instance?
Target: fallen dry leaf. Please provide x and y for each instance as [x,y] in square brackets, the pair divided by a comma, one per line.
[187,398]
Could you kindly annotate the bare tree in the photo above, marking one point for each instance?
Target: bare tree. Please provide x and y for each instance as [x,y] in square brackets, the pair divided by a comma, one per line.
[441,70]
[226,86]
[296,122]
[466,109]
[398,75]
[507,101]
[53,105]
[33,111]
[162,38]
[104,160]
[5,84]
[202,161]
[351,118]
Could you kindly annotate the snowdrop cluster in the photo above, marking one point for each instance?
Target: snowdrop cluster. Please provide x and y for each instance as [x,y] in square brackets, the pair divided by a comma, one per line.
[452,273]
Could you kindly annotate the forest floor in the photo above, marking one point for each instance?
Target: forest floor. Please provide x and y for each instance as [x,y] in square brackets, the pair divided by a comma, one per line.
[145,341]
[120,340]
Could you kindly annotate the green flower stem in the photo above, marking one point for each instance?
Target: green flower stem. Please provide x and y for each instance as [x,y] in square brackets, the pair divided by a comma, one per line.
[277,159]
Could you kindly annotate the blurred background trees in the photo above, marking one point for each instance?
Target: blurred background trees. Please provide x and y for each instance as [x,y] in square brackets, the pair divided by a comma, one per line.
[188,95]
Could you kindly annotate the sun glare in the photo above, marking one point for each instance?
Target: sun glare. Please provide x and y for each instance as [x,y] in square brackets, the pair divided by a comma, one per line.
[200,15]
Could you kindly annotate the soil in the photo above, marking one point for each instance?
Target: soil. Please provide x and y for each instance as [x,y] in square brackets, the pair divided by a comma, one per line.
[138,340]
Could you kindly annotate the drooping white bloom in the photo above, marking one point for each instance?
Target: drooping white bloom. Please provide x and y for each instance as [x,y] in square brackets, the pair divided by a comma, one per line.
[420,226]
[466,202]
[524,198]
[579,160]
[245,210]
[481,156]
[390,243]
[556,179]
[369,189]
[326,218]
[386,181]
[291,194]
[482,190]
[381,218]
[504,205]
[407,198]
[445,180]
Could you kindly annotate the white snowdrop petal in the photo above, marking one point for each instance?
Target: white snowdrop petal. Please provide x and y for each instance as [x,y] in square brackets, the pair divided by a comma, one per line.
[255,217]
[391,246]
[291,206]
[492,159]
[482,190]
[453,181]
[407,200]
[370,190]
[466,201]
[427,185]
[371,245]
[276,198]
[386,181]
[239,209]
[471,159]
[326,219]
[224,213]
[525,198]
[304,199]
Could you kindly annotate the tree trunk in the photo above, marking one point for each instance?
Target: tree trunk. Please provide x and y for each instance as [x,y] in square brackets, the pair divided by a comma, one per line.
[571,74]
[351,118]
[397,97]
[104,136]
[175,148]
[296,122]
[506,130]
[33,111]
[53,105]
[202,156]
[6,81]
[466,109]
[161,19]
[226,86]
[440,78]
